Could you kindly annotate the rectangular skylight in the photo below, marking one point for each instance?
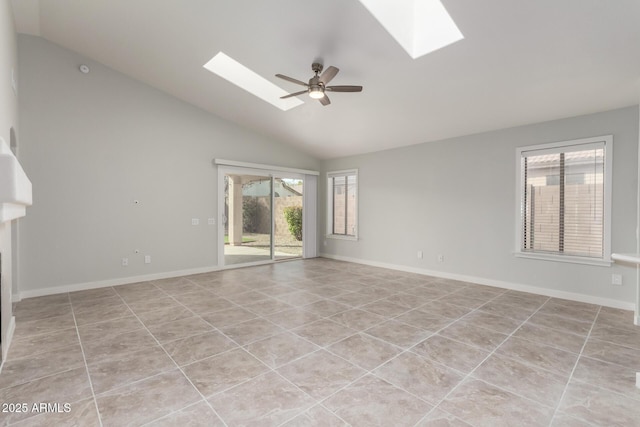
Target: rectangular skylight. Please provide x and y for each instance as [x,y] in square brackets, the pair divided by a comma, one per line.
[241,76]
[420,26]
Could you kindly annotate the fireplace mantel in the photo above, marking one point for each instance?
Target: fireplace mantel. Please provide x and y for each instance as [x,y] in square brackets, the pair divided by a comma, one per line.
[15,187]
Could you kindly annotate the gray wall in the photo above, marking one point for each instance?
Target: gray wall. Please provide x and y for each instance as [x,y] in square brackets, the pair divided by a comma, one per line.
[457,198]
[8,120]
[91,145]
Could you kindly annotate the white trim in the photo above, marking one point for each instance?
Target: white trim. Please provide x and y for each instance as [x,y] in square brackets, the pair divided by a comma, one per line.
[565,146]
[630,258]
[589,299]
[342,172]
[113,282]
[272,202]
[342,237]
[564,258]
[126,281]
[310,216]
[607,143]
[223,162]
[329,195]
[309,204]
[220,197]
[6,344]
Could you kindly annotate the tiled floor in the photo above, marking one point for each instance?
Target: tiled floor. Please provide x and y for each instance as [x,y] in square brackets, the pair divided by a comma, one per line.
[320,343]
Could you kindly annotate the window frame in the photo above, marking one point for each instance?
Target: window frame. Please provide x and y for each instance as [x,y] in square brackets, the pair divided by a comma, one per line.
[330,192]
[607,141]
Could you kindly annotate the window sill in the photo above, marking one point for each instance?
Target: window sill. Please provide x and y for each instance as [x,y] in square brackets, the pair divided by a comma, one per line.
[341,237]
[566,259]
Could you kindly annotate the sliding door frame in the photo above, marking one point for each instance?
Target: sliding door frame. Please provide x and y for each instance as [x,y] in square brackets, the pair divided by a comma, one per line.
[226,167]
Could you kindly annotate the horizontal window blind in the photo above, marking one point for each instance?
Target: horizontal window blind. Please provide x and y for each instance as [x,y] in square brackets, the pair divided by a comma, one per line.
[563,200]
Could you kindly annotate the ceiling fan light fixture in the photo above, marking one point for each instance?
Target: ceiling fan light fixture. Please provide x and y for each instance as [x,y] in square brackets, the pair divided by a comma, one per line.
[318,84]
[316,92]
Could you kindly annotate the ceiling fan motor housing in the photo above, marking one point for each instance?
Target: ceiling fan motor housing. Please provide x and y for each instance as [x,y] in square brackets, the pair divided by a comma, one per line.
[318,84]
[316,67]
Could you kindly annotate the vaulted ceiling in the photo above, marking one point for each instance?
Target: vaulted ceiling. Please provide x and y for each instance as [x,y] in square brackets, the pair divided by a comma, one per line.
[519,62]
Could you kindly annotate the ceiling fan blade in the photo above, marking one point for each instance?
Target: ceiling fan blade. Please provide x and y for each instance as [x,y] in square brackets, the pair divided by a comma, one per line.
[325,100]
[294,94]
[328,74]
[292,80]
[344,88]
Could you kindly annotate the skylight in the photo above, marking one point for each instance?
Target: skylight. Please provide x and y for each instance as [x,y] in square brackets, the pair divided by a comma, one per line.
[420,26]
[241,76]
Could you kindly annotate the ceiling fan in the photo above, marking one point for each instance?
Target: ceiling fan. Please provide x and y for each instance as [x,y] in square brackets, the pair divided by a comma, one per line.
[317,85]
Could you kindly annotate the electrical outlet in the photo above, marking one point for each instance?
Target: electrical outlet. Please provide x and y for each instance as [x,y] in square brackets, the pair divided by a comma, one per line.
[440,258]
[211,221]
[125,262]
[147,259]
[195,221]
[616,279]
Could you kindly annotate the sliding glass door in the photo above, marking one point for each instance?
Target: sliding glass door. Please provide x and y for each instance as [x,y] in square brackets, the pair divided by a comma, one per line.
[247,218]
[261,216]
[287,217]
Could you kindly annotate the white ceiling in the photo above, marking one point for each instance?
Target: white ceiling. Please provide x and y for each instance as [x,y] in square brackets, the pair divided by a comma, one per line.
[520,62]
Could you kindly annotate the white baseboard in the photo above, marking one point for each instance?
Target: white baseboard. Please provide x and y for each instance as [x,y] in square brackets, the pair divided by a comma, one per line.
[112,282]
[40,292]
[590,299]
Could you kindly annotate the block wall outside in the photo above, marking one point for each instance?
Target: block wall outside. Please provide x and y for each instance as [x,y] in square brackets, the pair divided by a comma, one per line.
[264,217]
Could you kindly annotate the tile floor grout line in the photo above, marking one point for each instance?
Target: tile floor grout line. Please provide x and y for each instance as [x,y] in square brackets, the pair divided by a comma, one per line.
[370,372]
[41,378]
[529,364]
[270,370]
[615,343]
[148,423]
[575,365]
[176,364]
[325,348]
[469,375]
[611,363]
[554,330]
[86,365]
[608,390]
[367,372]
[215,328]
[357,331]
[452,321]
[515,330]
[239,347]
[409,350]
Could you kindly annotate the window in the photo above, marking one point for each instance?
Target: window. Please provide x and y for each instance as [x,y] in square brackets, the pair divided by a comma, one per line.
[564,200]
[342,203]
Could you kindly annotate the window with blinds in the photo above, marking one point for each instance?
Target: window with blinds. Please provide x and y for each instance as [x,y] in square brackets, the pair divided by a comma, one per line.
[342,203]
[564,208]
